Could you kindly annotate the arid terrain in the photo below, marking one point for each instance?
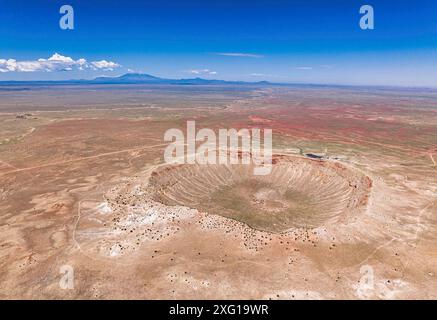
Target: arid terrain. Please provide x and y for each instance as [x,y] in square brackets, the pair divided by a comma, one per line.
[349,210]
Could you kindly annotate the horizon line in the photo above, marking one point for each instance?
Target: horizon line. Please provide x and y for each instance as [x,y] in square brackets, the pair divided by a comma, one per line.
[230,82]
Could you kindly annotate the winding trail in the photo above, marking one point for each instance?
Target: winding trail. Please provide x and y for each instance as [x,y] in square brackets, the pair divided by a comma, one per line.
[81,159]
[432,159]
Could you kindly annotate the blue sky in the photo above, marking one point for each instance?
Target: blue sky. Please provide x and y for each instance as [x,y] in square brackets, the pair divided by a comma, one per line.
[281,41]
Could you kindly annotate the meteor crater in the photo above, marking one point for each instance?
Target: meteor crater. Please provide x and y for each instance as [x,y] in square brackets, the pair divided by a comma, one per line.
[299,193]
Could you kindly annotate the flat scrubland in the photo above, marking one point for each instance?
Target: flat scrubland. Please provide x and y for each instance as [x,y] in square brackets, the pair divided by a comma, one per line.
[83,184]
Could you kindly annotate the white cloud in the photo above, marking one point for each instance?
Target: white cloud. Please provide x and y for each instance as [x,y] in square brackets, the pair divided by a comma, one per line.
[55,63]
[59,58]
[267,75]
[304,68]
[105,65]
[239,54]
[202,71]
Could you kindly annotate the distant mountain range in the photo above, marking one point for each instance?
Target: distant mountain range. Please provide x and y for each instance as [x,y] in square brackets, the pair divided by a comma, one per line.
[144,78]
[139,78]
[147,78]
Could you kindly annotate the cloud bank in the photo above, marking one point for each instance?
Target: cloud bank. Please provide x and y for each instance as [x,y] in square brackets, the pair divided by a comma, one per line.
[202,71]
[55,63]
[239,54]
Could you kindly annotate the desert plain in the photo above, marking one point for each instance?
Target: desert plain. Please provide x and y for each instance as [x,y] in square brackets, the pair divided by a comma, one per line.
[349,210]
